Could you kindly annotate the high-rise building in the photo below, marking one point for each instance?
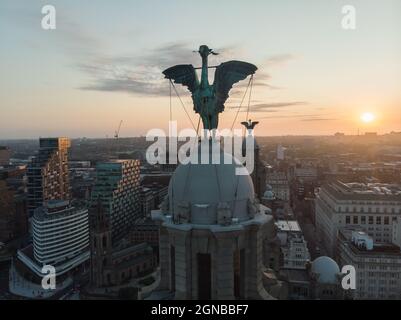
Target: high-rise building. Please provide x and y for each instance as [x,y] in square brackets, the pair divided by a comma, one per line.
[60,232]
[373,207]
[280,152]
[117,187]
[48,173]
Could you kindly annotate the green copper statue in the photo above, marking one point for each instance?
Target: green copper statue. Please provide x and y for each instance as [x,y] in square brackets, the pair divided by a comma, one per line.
[209,99]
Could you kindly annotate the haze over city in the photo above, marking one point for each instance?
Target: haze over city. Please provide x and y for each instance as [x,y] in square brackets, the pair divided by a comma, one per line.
[103,63]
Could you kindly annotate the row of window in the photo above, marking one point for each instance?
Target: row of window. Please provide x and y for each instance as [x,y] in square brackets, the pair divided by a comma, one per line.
[369,219]
[368,210]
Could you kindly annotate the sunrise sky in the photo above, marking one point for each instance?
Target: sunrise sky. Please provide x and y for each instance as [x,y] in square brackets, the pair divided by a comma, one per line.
[103,63]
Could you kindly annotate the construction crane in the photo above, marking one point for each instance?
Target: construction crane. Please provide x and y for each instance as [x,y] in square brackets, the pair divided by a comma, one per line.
[118,130]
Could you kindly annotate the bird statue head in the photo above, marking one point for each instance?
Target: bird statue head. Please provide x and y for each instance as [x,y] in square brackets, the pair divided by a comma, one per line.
[204,51]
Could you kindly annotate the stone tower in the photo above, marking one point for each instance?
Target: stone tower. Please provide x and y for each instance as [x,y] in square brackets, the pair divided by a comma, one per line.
[258,174]
[101,245]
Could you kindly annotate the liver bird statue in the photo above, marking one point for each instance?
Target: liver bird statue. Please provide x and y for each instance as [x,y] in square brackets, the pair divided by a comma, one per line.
[209,99]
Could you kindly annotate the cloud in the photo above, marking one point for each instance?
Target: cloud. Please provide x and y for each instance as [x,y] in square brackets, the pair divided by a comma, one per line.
[270,107]
[319,119]
[138,74]
[278,60]
[301,117]
[141,74]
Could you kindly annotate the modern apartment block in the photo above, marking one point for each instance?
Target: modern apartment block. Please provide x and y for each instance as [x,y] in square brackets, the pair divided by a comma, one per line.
[48,173]
[372,206]
[117,187]
[60,232]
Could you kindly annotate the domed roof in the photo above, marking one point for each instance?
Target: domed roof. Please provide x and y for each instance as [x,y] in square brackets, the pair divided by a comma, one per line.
[203,189]
[326,268]
[269,187]
[269,195]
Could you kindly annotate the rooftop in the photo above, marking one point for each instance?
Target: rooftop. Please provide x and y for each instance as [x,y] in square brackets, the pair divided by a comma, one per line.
[288,225]
[295,275]
[57,208]
[365,191]
[345,235]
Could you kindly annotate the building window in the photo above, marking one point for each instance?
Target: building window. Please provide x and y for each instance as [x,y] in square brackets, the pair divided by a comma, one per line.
[104,244]
[386,220]
[355,219]
[363,219]
[378,220]
[347,219]
[370,219]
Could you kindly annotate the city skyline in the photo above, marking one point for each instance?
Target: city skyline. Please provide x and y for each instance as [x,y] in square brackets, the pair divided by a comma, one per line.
[103,64]
[111,190]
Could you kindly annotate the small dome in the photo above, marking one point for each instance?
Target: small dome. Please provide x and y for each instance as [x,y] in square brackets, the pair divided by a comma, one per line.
[269,195]
[327,269]
[203,189]
[269,187]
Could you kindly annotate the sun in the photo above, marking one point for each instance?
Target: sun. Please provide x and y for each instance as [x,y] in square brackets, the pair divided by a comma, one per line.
[367,117]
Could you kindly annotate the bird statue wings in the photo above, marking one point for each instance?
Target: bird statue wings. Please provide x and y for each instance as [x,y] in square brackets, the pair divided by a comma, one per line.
[183,74]
[209,99]
[249,124]
[226,75]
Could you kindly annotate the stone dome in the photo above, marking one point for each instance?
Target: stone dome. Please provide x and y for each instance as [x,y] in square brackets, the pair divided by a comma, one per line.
[202,192]
[327,269]
[269,195]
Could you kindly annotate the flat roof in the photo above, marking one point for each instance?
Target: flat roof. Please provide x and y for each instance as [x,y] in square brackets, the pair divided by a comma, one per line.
[364,191]
[345,235]
[288,225]
[295,275]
